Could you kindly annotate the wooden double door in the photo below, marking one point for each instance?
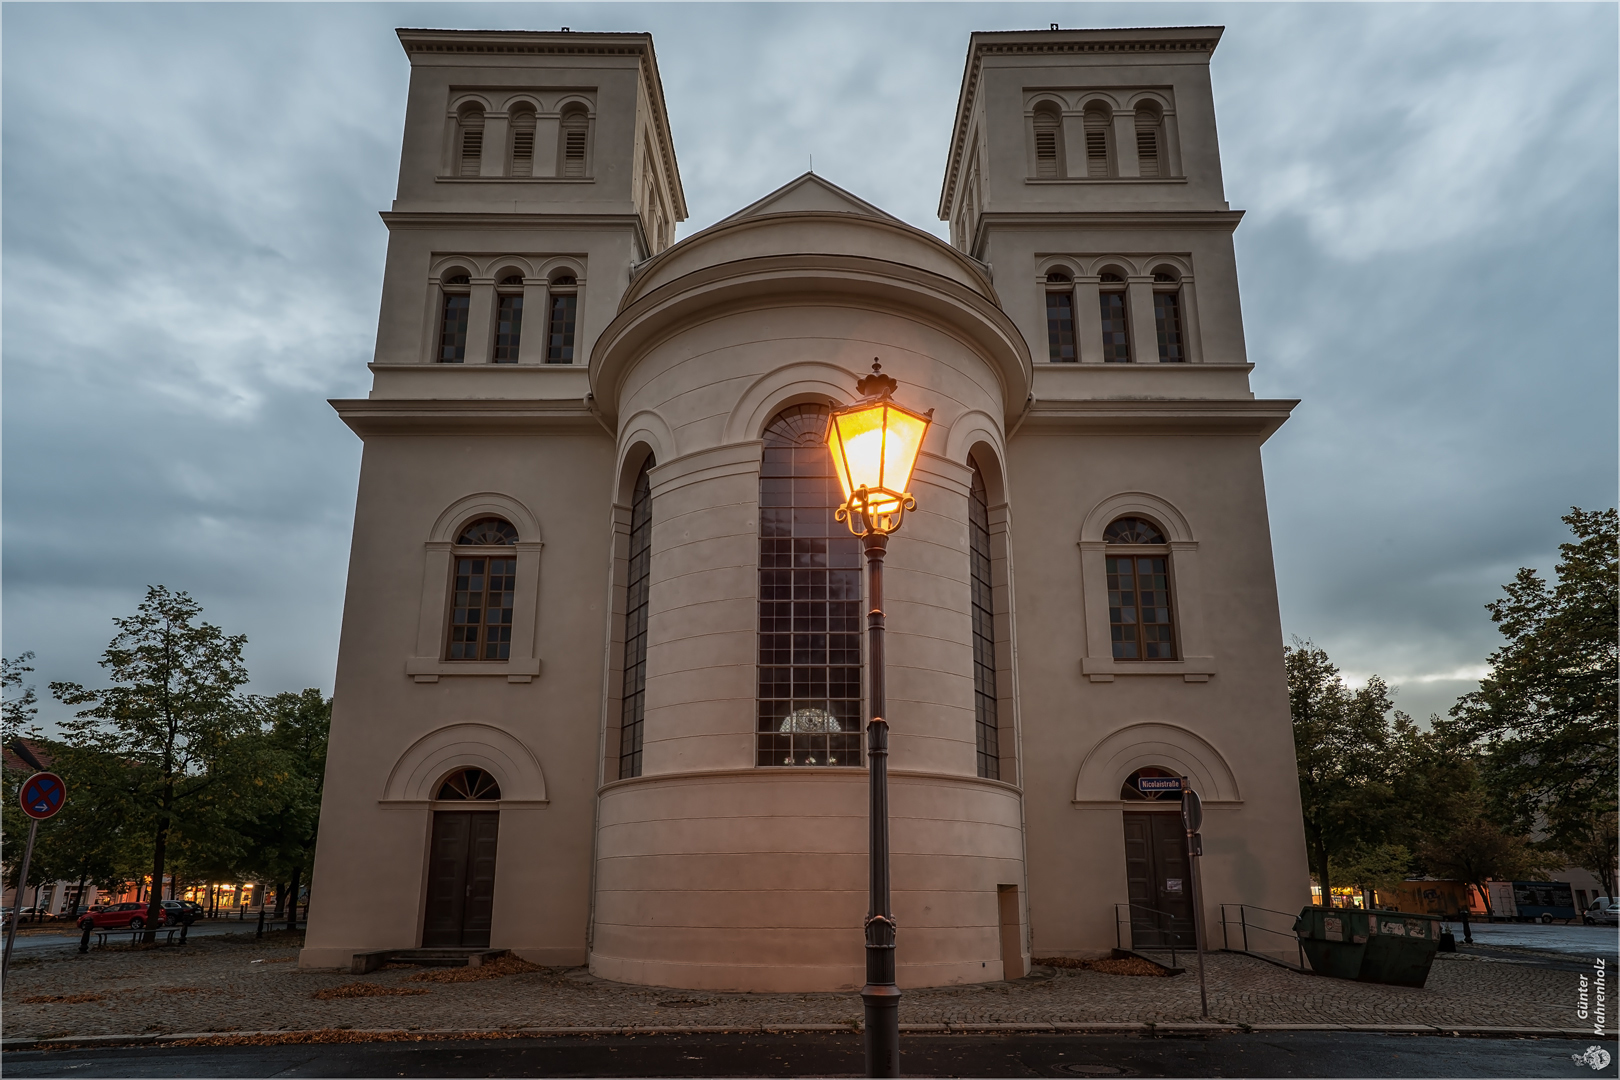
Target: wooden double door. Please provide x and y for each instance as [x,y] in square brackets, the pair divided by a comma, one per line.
[1156,867]
[461,879]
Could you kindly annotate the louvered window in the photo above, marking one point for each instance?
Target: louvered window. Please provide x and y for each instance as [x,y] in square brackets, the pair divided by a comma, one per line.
[472,144]
[1097,124]
[1148,144]
[984,628]
[573,148]
[1115,335]
[1046,146]
[523,145]
[560,332]
[633,704]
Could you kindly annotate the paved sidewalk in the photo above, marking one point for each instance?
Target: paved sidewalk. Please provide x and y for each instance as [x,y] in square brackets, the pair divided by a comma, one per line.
[226,984]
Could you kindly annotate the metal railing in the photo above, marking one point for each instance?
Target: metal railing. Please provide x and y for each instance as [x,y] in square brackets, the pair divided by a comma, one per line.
[1245,924]
[1162,922]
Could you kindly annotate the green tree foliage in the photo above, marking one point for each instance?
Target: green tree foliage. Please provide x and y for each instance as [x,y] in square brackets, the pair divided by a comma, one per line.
[173,715]
[18,703]
[1476,847]
[1546,714]
[1341,743]
[281,834]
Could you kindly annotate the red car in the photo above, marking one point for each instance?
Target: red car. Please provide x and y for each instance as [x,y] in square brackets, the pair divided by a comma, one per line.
[114,916]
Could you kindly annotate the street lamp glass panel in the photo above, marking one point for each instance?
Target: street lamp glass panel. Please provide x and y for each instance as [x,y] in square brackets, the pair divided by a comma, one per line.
[876,448]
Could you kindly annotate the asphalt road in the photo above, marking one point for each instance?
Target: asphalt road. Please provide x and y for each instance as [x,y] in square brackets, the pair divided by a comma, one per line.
[1574,939]
[1303,1054]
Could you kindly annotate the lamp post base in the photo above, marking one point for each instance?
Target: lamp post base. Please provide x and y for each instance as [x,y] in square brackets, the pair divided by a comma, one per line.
[882,1014]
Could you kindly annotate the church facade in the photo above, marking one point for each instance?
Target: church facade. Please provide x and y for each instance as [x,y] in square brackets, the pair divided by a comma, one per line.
[600,681]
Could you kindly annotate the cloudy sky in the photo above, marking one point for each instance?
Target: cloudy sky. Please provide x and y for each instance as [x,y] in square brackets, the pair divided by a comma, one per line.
[193,261]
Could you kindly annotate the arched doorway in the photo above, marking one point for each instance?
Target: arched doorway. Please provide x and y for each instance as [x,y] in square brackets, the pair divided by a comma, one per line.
[1157,869]
[461,868]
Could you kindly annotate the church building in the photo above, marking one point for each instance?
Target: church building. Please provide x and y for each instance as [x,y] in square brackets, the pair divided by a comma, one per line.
[599,693]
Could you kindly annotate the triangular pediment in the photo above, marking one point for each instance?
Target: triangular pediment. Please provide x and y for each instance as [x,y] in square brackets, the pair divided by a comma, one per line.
[810,193]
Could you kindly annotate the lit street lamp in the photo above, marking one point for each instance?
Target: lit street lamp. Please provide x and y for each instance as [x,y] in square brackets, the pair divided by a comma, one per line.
[874,445]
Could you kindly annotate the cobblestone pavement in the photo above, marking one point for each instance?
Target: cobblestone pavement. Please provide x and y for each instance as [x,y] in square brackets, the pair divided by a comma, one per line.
[236,984]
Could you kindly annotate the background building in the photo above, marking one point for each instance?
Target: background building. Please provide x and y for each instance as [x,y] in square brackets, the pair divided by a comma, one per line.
[599,687]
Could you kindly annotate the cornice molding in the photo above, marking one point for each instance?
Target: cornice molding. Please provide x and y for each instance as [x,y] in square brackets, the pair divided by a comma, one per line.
[370,416]
[483,219]
[1186,416]
[1143,40]
[1226,220]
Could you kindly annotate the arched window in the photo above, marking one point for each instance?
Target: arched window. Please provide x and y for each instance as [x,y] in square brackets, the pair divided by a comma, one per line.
[468,784]
[454,316]
[575,129]
[1149,142]
[484,586]
[1048,143]
[508,318]
[1116,334]
[1060,318]
[1133,788]
[633,703]
[984,628]
[470,142]
[523,142]
[1099,126]
[809,602]
[1139,590]
[560,328]
[1167,323]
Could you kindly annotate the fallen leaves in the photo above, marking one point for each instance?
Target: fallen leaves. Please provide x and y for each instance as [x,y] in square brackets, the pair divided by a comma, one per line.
[63,999]
[364,989]
[489,969]
[1130,965]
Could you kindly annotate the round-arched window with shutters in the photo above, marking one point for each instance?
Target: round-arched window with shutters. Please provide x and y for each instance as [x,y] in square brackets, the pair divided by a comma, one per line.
[468,785]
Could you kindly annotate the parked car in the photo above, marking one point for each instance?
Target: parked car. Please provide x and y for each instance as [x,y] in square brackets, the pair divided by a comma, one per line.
[178,912]
[116,916]
[1602,910]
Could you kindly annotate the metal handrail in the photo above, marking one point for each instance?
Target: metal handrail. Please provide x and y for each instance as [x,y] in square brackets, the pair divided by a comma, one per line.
[1244,925]
[1166,930]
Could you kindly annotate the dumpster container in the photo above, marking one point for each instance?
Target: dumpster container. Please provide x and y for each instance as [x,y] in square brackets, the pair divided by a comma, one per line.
[1400,948]
[1334,940]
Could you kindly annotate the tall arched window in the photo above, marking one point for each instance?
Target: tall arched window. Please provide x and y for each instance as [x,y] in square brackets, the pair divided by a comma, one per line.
[1138,564]
[470,142]
[523,125]
[1060,318]
[633,703]
[984,628]
[809,602]
[575,129]
[1099,125]
[454,317]
[484,586]
[1167,316]
[560,320]
[1116,333]
[508,318]
[1048,143]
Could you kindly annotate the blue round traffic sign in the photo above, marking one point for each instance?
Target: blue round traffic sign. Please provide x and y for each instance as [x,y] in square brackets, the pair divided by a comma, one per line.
[42,795]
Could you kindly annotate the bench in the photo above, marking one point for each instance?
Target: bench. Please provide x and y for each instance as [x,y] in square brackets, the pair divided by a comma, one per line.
[103,933]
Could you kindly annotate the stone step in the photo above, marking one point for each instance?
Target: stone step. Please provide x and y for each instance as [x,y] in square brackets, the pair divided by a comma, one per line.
[364,962]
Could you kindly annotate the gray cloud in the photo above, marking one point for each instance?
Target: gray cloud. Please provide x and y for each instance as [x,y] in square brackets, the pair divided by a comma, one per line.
[192,263]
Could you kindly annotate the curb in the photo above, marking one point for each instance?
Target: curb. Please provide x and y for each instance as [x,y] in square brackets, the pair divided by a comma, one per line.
[1030,1027]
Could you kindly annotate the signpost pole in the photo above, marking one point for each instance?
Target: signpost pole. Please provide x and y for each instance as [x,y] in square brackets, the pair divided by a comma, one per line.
[22,880]
[1192,818]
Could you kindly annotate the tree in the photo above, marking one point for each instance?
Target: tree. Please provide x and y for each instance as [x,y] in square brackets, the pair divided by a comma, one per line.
[1546,713]
[172,715]
[1341,743]
[281,836]
[1377,866]
[18,704]
[1476,848]
[1595,847]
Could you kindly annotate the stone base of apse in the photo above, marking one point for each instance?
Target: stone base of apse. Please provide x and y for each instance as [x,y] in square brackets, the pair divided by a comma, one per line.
[756,879]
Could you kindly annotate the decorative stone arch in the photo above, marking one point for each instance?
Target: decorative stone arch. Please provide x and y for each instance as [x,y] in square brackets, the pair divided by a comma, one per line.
[1178,263]
[1166,745]
[442,266]
[500,265]
[523,100]
[970,429]
[1168,518]
[485,503]
[645,428]
[426,762]
[1148,97]
[462,101]
[1101,263]
[793,384]
[551,268]
[1068,264]
[1089,98]
[1049,99]
[575,103]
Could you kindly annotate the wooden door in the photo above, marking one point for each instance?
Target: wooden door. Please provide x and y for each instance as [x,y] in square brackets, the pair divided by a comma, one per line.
[461,879]
[1160,884]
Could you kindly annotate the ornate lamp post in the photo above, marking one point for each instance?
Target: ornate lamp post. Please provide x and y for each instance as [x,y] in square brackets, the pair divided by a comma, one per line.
[874,445]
